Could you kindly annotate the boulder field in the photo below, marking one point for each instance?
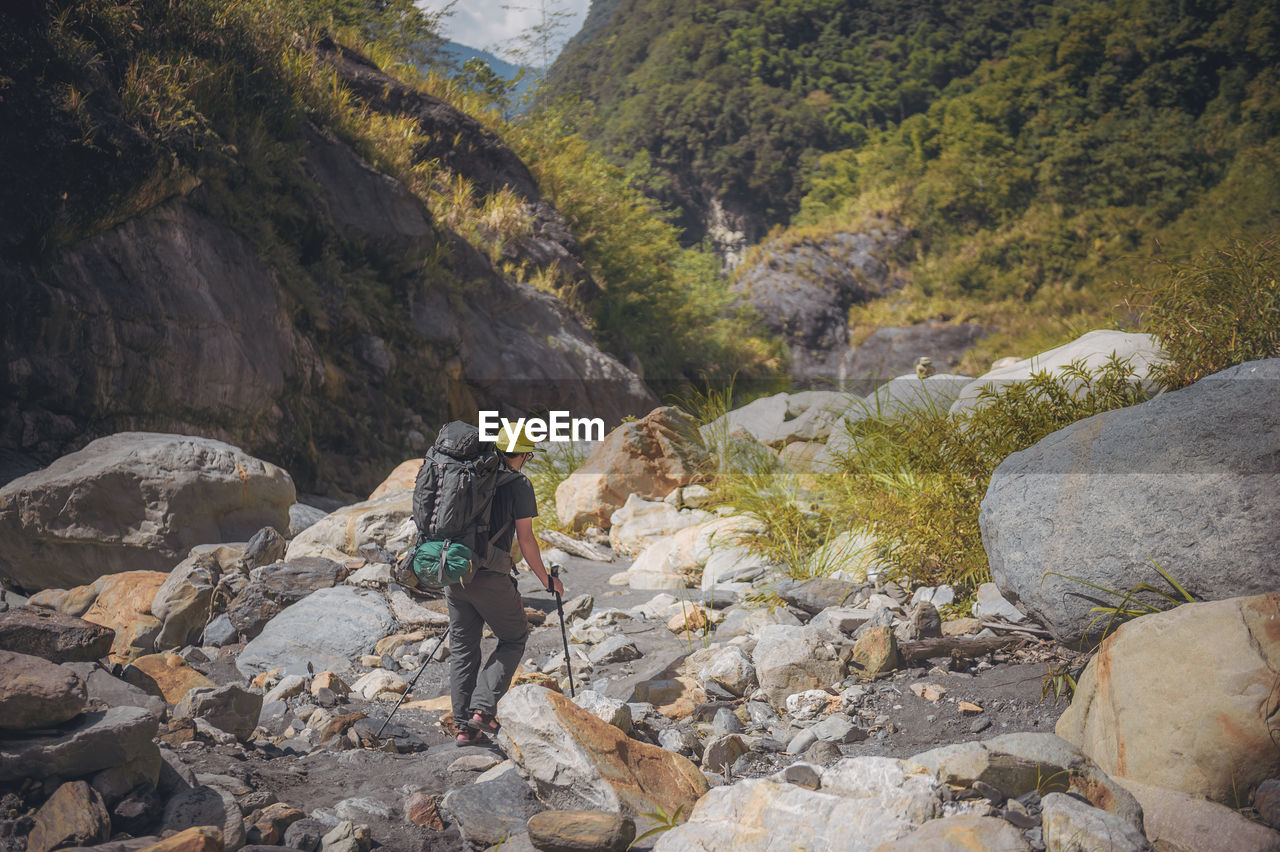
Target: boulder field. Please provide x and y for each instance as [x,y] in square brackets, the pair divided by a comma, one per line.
[237,693]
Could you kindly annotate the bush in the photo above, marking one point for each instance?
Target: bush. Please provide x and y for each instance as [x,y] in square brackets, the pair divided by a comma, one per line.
[1219,309]
[917,476]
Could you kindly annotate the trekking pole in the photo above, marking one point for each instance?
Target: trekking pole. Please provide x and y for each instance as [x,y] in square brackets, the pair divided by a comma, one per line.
[555,572]
[422,668]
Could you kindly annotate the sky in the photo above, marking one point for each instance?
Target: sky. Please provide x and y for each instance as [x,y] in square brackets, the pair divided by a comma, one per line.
[485,24]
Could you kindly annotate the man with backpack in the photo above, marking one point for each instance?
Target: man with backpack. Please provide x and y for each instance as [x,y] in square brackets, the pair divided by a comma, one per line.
[470,502]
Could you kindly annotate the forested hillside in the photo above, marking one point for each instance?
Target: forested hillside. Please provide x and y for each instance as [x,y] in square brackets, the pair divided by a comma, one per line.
[1025,145]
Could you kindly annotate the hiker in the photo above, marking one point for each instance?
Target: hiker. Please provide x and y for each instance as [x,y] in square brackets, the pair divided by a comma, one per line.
[491,598]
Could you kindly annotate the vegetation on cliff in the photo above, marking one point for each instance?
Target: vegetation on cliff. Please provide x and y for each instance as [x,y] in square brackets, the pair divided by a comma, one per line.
[1036,151]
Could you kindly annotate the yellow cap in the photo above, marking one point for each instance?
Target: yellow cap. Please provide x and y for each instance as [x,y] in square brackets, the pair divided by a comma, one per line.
[510,441]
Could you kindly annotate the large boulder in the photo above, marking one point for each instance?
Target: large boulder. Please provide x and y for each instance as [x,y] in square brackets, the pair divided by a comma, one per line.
[96,741]
[403,478]
[53,636]
[1188,481]
[1185,699]
[862,802]
[353,621]
[274,587]
[648,457]
[184,600]
[386,521]
[579,762]
[640,523]
[793,659]
[36,693]
[1017,764]
[133,501]
[1094,348]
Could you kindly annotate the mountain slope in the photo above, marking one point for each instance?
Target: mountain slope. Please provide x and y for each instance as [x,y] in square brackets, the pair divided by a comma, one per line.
[208,229]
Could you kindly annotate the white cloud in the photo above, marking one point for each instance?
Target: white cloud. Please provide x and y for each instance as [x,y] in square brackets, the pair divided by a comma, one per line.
[487,25]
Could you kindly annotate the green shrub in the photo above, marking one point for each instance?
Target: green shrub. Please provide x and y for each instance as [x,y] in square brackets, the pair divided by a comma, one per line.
[546,471]
[1219,309]
[916,477]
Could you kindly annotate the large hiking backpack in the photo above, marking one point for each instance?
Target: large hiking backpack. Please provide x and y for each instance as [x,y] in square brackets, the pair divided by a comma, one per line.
[452,499]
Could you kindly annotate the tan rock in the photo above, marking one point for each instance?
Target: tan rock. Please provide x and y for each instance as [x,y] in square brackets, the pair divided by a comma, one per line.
[585,830]
[538,678]
[960,834]
[166,675]
[691,619]
[429,705]
[961,627]
[929,691]
[78,600]
[386,522]
[201,838]
[328,680]
[123,604]
[676,698]
[876,651]
[1179,822]
[579,762]
[1184,699]
[73,816]
[36,693]
[50,598]
[649,457]
[424,810]
[402,478]
[968,708]
[268,825]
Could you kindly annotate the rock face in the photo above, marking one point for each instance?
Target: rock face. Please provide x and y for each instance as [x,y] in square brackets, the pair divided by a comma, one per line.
[578,762]
[133,501]
[1198,722]
[1189,480]
[648,457]
[167,318]
[803,292]
[890,352]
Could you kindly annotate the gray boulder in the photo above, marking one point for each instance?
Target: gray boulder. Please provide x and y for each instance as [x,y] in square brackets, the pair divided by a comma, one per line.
[206,806]
[111,691]
[327,629]
[274,587]
[804,290]
[793,659]
[1189,480]
[489,812]
[1071,824]
[133,501]
[229,708]
[97,741]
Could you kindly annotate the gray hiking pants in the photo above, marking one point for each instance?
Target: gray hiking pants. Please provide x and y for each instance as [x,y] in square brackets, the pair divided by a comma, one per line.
[490,598]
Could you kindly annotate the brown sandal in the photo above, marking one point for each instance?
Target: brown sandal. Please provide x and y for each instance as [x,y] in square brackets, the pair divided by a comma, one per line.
[483,722]
[467,737]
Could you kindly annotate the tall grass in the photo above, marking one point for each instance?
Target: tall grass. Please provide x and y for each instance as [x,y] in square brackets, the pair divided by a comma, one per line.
[917,475]
[1213,311]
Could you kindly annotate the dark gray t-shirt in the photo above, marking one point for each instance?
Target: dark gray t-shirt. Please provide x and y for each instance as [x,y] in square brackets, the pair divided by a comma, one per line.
[513,500]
